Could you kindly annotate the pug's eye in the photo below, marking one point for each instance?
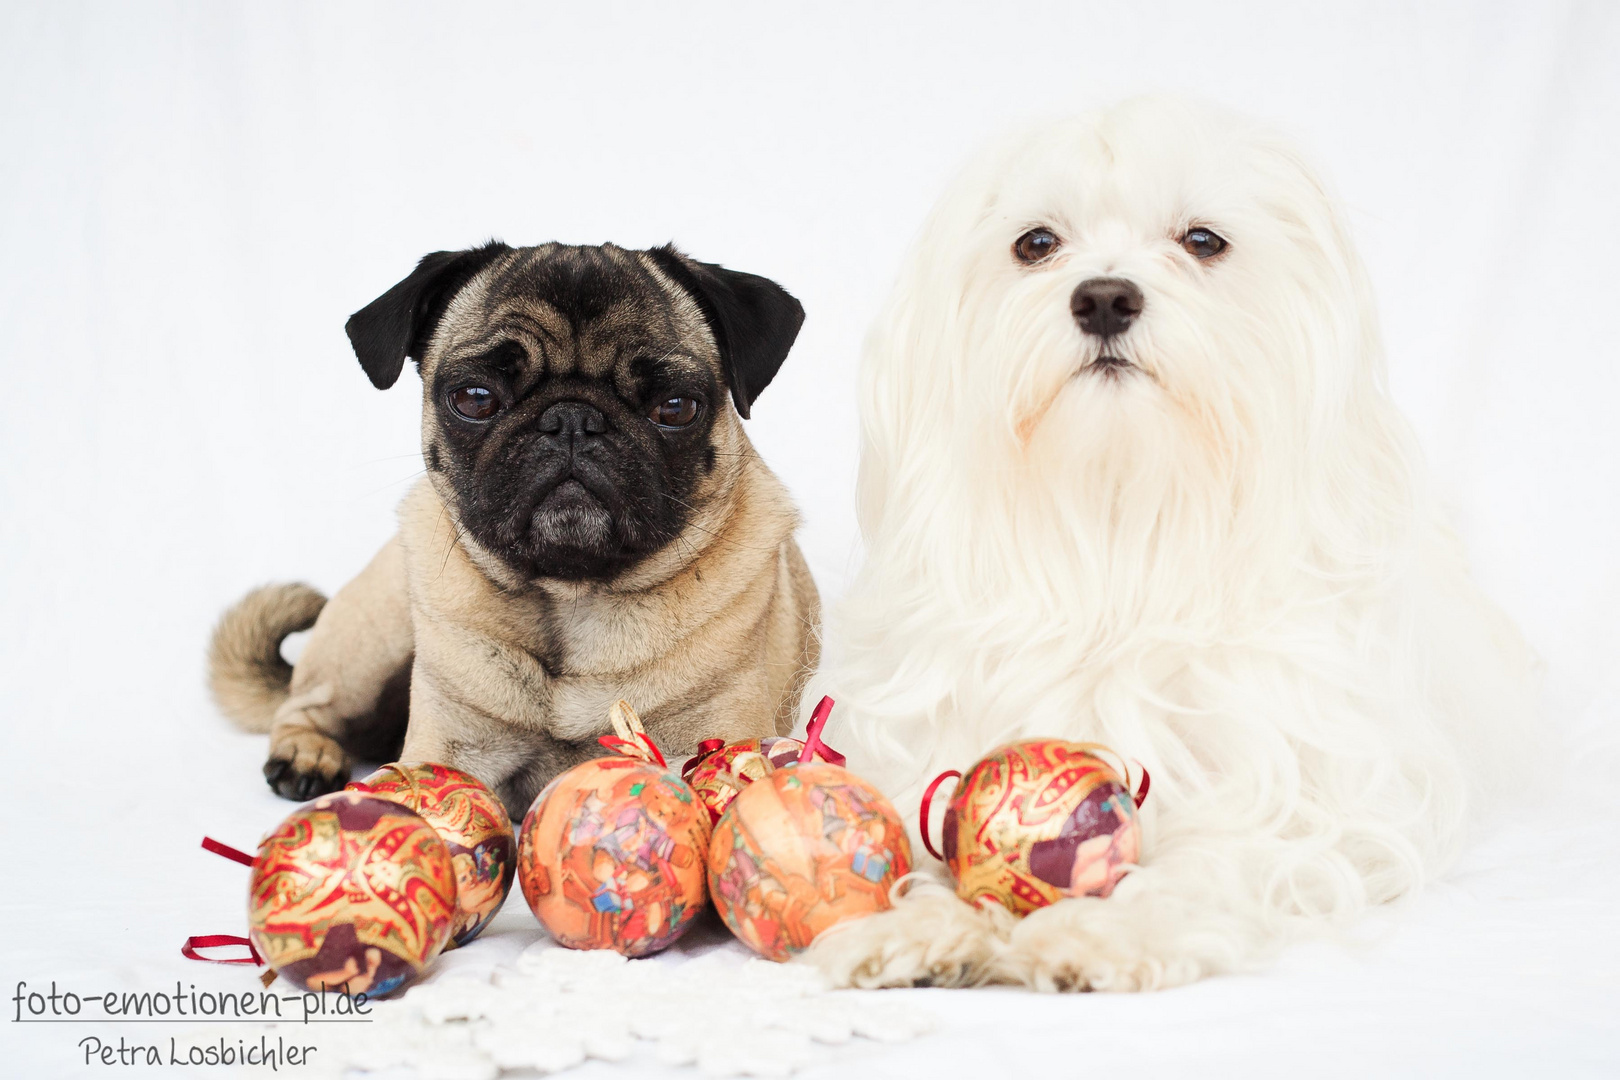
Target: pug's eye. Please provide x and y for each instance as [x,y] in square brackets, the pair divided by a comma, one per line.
[1203,244]
[474,402]
[1035,245]
[675,412]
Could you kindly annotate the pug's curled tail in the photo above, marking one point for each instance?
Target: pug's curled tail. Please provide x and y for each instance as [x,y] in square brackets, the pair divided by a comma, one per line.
[245,669]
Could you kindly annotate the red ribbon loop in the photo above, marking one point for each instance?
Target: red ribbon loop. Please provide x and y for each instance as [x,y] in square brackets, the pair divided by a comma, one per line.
[705,748]
[620,746]
[217,941]
[813,746]
[927,801]
[634,749]
[1142,788]
[210,844]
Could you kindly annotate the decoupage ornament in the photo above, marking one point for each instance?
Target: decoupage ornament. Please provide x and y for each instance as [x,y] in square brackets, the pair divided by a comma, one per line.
[1036,821]
[473,825]
[351,892]
[611,853]
[720,771]
[803,848]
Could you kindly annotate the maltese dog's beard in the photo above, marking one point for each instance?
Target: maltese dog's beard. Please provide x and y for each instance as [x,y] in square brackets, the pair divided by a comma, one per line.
[1111,445]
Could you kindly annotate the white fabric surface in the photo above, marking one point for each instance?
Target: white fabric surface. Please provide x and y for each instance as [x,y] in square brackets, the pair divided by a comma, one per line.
[193,197]
[1508,968]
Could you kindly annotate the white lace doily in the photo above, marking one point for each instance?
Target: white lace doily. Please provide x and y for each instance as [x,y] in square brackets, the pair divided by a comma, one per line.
[547,1009]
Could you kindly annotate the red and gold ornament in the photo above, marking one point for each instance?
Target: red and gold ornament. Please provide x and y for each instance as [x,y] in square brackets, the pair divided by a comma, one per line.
[611,853]
[351,892]
[805,847]
[720,771]
[1036,821]
[472,823]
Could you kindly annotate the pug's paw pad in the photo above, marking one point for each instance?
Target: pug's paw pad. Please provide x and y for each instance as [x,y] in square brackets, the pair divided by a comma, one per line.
[305,764]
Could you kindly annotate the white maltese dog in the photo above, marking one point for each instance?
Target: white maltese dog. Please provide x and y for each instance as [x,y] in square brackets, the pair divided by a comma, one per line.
[1131,474]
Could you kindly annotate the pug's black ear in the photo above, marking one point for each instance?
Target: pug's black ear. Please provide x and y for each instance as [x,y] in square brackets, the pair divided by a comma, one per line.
[754,320]
[400,322]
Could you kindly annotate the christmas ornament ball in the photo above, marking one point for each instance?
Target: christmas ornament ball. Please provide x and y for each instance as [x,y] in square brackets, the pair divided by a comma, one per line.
[611,856]
[718,776]
[1039,820]
[804,848]
[351,892]
[473,825]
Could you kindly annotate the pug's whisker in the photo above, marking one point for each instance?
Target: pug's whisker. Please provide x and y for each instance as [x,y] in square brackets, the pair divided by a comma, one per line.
[721,537]
[394,484]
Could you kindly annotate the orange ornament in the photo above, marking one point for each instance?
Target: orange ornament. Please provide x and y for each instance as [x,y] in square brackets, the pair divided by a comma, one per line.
[472,823]
[804,848]
[1036,821]
[351,892]
[611,852]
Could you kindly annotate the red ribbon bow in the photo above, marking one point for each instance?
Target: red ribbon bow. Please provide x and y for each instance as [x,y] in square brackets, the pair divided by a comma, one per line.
[705,748]
[813,746]
[927,801]
[235,855]
[633,749]
[217,941]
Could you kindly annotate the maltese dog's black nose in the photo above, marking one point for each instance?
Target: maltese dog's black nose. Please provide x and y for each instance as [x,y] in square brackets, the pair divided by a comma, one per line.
[1105,306]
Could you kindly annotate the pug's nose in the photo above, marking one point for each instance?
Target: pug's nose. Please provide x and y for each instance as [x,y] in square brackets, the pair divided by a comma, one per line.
[572,421]
[1105,306]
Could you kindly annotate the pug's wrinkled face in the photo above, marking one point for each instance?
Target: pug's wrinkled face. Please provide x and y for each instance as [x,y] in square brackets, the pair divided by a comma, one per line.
[569,403]
[578,401]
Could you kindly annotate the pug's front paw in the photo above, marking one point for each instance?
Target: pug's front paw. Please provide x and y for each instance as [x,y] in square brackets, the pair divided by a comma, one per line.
[304,764]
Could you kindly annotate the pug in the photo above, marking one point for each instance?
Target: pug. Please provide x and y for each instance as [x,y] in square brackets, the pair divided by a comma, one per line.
[593,524]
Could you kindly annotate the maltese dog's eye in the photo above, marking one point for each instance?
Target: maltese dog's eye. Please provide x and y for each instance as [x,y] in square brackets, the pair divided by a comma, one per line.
[1203,244]
[1035,245]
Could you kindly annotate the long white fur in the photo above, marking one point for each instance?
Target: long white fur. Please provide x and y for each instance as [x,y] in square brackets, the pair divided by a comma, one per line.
[1226,564]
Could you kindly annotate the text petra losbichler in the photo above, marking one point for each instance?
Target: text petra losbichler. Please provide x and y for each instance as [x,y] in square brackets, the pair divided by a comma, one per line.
[189,1005]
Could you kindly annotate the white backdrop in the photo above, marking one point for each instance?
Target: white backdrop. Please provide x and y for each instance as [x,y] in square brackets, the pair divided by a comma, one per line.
[193,197]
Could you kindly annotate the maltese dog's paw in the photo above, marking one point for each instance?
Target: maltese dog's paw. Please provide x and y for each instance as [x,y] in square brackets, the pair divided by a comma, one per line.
[929,938]
[1082,944]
